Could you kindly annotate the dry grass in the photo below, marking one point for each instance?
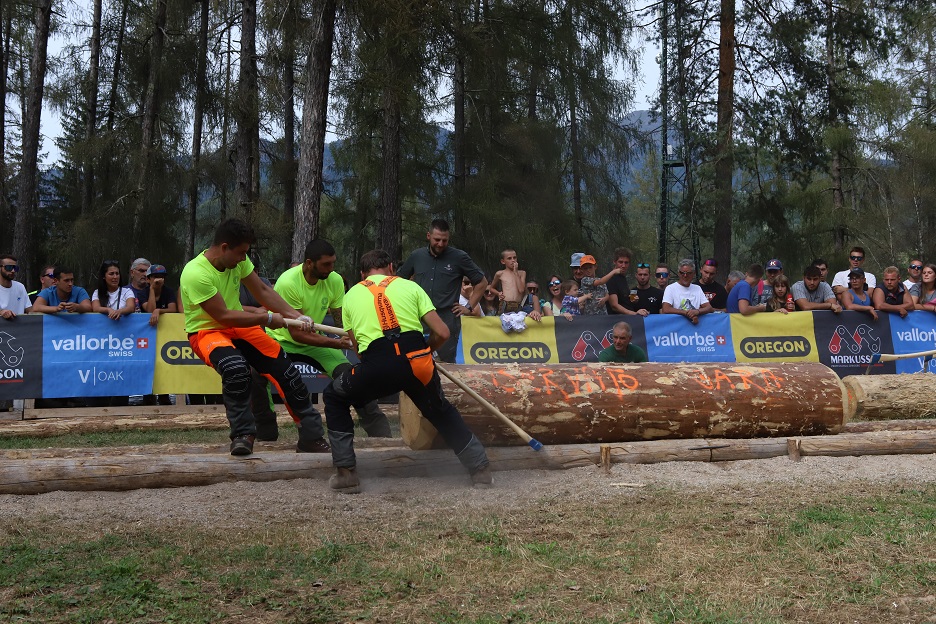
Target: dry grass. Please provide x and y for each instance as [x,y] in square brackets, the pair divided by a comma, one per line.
[773,554]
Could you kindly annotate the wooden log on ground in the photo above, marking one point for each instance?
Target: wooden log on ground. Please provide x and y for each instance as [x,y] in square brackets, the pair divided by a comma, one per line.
[581,403]
[98,470]
[94,422]
[891,397]
[889,425]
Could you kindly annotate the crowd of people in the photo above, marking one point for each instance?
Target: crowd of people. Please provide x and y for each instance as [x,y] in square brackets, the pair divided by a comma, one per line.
[252,331]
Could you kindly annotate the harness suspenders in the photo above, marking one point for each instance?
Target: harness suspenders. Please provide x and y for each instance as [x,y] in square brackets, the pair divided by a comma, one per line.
[385,314]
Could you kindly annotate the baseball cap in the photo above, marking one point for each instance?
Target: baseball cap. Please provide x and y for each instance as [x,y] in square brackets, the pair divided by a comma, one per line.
[588,260]
[577,259]
[857,271]
[156,269]
[774,264]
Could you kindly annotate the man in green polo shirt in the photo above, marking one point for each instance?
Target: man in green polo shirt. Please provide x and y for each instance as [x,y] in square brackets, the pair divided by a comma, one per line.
[384,316]
[315,289]
[622,350]
[229,340]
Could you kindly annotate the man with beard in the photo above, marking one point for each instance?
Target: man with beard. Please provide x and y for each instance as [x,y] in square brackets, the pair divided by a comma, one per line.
[315,289]
[13,297]
[439,269]
[649,299]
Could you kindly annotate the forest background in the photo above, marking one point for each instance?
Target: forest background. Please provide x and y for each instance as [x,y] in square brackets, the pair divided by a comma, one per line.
[801,127]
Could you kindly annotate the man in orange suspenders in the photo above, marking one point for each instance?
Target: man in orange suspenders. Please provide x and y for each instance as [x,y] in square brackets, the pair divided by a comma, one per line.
[384,316]
[230,341]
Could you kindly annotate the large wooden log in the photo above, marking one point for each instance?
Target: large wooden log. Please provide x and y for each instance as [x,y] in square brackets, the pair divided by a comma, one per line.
[889,397]
[99,470]
[579,403]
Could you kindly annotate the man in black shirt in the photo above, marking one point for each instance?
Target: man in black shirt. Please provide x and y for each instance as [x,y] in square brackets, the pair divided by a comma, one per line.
[618,290]
[714,292]
[645,299]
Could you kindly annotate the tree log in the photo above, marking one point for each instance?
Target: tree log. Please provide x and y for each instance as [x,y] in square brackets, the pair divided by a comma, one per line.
[581,403]
[98,470]
[889,397]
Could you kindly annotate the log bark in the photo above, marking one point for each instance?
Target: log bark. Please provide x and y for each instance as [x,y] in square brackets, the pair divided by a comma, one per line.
[890,397]
[579,403]
[130,470]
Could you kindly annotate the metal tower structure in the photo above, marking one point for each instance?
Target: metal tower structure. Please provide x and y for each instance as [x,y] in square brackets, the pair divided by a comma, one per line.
[677,235]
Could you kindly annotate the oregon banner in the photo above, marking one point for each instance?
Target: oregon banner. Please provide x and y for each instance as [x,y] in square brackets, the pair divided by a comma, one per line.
[485,342]
[21,357]
[774,337]
[178,369]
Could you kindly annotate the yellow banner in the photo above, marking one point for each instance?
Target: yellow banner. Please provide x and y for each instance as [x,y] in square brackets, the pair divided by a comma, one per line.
[487,343]
[774,337]
[178,369]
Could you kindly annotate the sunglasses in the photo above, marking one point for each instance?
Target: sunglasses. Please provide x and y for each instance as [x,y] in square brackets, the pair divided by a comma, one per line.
[643,265]
[49,275]
[533,290]
[916,267]
[662,274]
[555,283]
[857,258]
[685,273]
[11,267]
[773,270]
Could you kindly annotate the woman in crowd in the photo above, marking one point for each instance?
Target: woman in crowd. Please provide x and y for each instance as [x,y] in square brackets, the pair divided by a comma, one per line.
[781,300]
[489,302]
[110,297]
[553,304]
[856,297]
[927,298]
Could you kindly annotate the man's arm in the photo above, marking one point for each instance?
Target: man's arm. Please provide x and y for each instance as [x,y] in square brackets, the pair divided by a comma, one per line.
[267,297]
[615,304]
[477,292]
[438,330]
[316,339]
[805,305]
[41,306]
[745,307]
[604,280]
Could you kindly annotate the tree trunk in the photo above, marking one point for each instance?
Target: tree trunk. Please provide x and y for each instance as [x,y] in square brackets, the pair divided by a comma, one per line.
[246,111]
[27,197]
[6,30]
[840,228]
[314,117]
[390,232]
[577,403]
[198,114]
[115,80]
[91,97]
[724,156]
[150,113]
[289,135]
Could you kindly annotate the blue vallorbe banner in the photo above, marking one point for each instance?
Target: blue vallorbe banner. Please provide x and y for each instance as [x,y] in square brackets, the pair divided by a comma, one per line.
[21,358]
[672,338]
[88,355]
[913,334]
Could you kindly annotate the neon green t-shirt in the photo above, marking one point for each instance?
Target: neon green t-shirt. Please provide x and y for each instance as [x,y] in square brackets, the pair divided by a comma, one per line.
[410,303]
[200,281]
[313,301]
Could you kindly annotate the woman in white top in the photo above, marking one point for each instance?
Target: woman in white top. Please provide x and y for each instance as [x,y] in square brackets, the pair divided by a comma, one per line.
[117,300]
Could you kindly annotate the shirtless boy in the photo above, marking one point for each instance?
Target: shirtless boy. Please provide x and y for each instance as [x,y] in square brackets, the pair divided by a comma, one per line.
[510,285]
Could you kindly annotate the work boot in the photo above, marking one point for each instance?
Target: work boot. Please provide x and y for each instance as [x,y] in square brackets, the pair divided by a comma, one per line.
[482,477]
[242,445]
[313,446]
[345,481]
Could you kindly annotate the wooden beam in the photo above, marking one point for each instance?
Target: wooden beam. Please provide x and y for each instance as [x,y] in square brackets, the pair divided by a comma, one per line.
[102,469]
[890,397]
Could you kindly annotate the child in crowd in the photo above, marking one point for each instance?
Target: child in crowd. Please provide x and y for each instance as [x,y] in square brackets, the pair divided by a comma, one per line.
[571,299]
[595,286]
[510,285]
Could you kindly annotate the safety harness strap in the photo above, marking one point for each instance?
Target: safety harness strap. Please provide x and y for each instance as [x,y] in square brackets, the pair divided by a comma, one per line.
[385,314]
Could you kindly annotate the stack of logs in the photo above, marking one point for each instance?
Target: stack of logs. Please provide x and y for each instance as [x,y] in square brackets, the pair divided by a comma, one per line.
[586,414]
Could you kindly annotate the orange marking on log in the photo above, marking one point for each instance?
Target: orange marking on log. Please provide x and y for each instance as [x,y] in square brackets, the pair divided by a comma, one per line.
[620,377]
[549,383]
[719,375]
[704,381]
[507,389]
[769,376]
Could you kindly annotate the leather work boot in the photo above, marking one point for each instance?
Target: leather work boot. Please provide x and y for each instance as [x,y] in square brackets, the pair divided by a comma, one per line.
[345,481]
[313,446]
[242,445]
[482,477]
